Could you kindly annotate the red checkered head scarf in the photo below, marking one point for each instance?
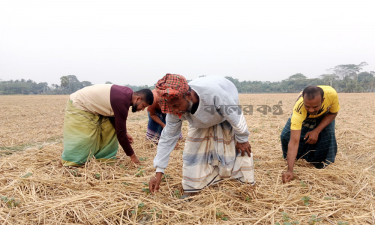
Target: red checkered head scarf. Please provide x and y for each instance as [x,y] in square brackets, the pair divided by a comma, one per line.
[169,87]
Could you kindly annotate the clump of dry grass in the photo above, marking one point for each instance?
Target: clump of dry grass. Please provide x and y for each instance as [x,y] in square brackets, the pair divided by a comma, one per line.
[36,189]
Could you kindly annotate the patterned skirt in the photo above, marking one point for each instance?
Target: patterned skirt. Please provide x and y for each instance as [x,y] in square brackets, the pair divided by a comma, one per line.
[320,154]
[210,156]
[87,135]
[154,129]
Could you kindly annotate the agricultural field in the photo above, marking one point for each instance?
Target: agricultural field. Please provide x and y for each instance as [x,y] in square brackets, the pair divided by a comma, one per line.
[36,189]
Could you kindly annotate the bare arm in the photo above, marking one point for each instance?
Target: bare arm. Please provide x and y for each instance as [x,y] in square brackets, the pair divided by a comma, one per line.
[293,148]
[152,110]
[292,154]
[312,136]
[328,118]
[167,142]
[157,120]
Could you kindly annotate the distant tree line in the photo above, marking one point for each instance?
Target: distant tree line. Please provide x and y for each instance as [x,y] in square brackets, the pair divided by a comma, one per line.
[68,84]
[344,78]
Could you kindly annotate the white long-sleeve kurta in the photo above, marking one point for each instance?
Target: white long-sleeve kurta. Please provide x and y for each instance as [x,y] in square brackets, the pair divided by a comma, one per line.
[218,102]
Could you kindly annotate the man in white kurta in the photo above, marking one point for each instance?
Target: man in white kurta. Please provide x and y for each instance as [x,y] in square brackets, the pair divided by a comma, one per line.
[217,144]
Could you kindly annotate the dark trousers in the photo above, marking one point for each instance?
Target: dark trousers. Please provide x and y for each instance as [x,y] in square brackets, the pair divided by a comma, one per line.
[324,150]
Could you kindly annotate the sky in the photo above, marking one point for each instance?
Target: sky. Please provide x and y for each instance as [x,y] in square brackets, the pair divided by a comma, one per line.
[138,41]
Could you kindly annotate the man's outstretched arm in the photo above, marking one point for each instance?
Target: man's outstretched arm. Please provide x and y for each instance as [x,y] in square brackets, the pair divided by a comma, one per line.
[291,155]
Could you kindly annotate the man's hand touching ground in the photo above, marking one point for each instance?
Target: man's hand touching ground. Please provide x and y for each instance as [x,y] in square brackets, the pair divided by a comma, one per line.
[244,148]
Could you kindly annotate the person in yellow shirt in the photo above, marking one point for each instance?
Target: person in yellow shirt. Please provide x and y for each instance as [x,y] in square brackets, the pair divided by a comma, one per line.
[310,131]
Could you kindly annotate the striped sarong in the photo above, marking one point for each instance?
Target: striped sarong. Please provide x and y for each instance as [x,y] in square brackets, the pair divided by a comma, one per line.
[154,129]
[87,135]
[210,156]
[320,154]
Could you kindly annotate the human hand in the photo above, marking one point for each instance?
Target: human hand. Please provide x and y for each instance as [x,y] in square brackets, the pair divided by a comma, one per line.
[130,138]
[244,147]
[154,183]
[287,176]
[312,137]
[135,159]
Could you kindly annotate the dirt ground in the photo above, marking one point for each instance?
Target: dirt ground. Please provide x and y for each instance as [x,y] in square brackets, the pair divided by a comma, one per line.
[36,189]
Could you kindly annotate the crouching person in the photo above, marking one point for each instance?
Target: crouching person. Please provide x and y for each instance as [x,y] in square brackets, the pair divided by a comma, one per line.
[217,144]
[95,121]
[310,132]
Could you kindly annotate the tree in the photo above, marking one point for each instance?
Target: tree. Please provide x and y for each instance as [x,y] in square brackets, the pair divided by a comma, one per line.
[297,76]
[70,84]
[329,78]
[344,78]
[294,83]
[23,87]
[366,81]
[348,70]
[349,74]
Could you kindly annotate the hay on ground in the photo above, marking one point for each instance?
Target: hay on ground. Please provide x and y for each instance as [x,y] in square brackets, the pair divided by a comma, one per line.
[36,189]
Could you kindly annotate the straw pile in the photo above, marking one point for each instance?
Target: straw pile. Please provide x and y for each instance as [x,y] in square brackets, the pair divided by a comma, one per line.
[36,189]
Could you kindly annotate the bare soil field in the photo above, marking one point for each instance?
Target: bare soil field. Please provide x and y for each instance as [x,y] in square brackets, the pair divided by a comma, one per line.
[36,189]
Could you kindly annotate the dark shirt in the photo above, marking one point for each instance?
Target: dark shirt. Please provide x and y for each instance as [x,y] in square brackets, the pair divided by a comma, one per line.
[121,98]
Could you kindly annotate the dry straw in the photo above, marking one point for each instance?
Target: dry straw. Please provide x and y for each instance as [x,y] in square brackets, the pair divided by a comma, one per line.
[36,189]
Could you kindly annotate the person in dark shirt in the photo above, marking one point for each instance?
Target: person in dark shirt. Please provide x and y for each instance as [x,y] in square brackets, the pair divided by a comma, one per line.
[95,121]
